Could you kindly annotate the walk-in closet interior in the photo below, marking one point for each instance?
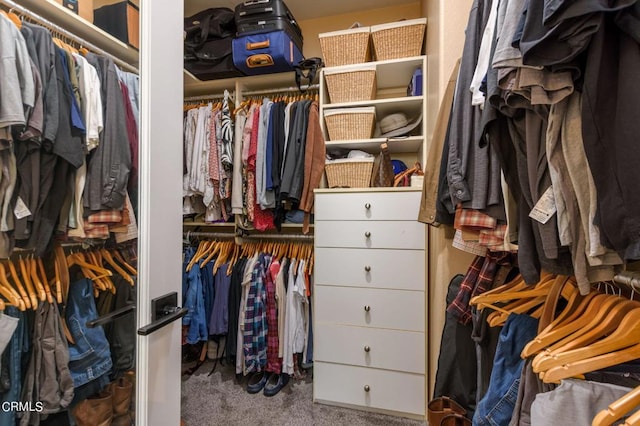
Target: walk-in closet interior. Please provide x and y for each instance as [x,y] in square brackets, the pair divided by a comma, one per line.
[320,213]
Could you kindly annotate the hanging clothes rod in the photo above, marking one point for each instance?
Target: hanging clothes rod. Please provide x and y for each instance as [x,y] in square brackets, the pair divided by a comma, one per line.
[56,28]
[204,97]
[628,278]
[291,237]
[281,90]
[209,97]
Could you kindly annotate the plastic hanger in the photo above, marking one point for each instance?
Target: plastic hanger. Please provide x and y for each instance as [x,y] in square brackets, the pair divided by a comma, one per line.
[618,409]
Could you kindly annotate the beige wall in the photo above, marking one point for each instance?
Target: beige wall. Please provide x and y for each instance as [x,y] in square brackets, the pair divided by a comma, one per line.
[446,21]
[312,27]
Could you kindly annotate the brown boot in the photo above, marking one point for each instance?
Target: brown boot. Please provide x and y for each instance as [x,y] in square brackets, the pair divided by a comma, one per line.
[121,391]
[96,410]
[130,376]
[438,408]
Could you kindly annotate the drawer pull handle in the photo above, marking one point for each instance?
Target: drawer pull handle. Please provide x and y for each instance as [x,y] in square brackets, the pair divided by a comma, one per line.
[367,388]
[367,206]
[367,308]
[367,349]
[367,234]
[367,268]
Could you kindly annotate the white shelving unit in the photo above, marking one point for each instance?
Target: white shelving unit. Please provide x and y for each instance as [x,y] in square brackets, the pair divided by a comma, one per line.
[392,79]
[65,18]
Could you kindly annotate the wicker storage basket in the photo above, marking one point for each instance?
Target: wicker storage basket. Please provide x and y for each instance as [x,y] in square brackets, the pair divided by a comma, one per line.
[351,83]
[398,39]
[350,123]
[349,172]
[345,47]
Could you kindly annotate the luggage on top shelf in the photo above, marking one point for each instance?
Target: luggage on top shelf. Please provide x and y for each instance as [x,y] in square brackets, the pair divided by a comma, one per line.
[264,16]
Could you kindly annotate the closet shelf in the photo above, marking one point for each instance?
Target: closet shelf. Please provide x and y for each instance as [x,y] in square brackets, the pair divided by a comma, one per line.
[360,190]
[411,105]
[59,15]
[389,74]
[195,87]
[409,144]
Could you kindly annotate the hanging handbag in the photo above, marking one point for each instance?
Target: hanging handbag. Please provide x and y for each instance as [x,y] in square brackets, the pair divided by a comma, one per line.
[307,69]
[403,178]
[382,173]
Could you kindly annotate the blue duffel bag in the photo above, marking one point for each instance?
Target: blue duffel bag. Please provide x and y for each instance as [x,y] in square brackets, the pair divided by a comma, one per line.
[265,53]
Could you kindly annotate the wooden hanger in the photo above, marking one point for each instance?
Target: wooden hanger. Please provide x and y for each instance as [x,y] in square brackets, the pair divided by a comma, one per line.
[118,256]
[633,420]
[618,409]
[9,292]
[552,338]
[35,278]
[13,18]
[575,307]
[601,325]
[18,283]
[24,273]
[597,310]
[45,281]
[595,363]
[625,335]
[80,260]
[109,259]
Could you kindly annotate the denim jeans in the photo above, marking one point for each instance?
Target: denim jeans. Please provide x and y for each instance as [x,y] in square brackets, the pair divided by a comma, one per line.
[18,348]
[496,407]
[193,295]
[89,357]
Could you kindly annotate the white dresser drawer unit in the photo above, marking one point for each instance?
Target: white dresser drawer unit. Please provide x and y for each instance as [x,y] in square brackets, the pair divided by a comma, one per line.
[368,206]
[365,307]
[374,234]
[370,347]
[369,387]
[376,268]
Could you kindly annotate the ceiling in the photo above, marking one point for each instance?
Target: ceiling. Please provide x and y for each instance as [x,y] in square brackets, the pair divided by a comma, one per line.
[302,9]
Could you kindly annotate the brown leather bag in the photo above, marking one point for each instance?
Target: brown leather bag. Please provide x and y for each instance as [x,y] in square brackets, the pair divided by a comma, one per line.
[382,173]
[402,178]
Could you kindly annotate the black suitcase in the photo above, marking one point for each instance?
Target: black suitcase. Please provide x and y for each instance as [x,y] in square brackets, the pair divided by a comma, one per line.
[265,16]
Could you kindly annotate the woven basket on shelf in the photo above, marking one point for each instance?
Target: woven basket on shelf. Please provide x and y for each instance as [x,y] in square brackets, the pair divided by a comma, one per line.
[349,172]
[345,47]
[398,39]
[350,123]
[351,83]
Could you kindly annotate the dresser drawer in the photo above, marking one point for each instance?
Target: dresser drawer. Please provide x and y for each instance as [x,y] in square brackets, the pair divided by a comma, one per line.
[374,234]
[367,307]
[387,390]
[378,268]
[370,347]
[368,206]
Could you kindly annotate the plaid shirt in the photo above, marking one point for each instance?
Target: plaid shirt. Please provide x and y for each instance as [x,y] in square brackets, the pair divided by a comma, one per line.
[255,319]
[106,216]
[473,220]
[479,278]
[274,364]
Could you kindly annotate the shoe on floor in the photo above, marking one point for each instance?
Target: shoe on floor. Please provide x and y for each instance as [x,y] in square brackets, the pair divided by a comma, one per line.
[257,382]
[275,383]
